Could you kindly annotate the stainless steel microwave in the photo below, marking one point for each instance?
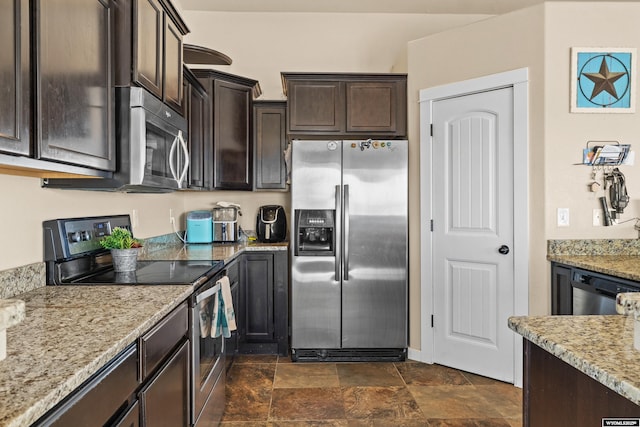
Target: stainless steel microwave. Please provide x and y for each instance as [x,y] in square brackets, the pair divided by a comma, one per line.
[153,154]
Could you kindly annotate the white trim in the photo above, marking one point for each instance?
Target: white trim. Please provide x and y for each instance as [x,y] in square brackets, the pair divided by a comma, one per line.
[519,80]
[413,354]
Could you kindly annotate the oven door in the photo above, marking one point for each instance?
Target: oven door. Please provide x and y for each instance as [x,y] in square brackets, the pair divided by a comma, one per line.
[208,352]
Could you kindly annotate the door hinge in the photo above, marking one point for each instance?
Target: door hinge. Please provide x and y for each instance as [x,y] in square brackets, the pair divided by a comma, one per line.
[432,320]
[431,131]
[431,225]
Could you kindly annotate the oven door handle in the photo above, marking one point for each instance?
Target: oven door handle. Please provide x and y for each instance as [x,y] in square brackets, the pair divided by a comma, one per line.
[206,294]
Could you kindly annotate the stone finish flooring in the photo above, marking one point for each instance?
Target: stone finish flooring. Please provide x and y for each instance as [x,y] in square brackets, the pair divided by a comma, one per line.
[266,391]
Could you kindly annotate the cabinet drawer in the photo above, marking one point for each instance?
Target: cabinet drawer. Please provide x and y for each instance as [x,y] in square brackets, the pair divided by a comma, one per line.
[159,341]
[102,397]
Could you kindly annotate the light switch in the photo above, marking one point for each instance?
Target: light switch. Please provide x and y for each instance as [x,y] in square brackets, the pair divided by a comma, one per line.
[563,217]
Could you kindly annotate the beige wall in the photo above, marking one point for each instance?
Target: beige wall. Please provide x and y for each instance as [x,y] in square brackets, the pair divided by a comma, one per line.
[262,45]
[566,134]
[25,205]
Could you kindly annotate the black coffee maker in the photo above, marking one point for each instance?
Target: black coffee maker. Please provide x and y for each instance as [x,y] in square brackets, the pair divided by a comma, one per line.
[271,224]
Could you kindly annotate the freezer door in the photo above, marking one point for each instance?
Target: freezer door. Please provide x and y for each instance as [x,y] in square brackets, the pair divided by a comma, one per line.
[315,288]
[375,285]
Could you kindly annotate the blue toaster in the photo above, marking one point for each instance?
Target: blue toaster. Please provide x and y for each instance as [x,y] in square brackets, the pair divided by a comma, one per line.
[199,227]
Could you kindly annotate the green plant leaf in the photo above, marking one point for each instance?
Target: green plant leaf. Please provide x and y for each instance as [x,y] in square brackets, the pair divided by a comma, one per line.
[120,238]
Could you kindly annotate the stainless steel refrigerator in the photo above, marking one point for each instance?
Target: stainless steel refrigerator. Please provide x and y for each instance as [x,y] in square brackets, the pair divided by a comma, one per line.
[349,280]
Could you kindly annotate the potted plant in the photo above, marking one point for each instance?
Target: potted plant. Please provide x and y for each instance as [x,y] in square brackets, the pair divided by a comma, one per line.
[124,249]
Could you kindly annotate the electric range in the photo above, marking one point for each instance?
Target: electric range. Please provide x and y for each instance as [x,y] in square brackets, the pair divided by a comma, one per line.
[73,256]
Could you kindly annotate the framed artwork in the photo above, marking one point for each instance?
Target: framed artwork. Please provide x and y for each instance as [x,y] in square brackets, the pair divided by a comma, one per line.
[603,80]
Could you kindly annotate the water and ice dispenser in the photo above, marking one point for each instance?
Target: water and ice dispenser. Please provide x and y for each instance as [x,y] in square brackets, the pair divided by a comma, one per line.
[315,232]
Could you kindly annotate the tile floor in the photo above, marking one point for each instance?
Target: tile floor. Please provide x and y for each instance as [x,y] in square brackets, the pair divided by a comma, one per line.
[264,391]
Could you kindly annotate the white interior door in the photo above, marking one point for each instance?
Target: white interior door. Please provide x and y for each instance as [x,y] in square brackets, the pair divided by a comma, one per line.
[473,232]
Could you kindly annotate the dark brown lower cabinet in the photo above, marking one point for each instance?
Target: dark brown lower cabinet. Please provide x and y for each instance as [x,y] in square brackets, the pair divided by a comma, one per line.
[102,398]
[131,418]
[561,293]
[165,401]
[263,303]
[558,395]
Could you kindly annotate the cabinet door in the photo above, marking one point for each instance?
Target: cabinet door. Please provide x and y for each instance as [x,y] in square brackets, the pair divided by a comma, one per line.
[376,107]
[233,152]
[258,298]
[148,46]
[316,106]
[173,66]
[165,401]
[561,292]
[15,104]
[74,82]
[270,139]
[196,115]
[131,418]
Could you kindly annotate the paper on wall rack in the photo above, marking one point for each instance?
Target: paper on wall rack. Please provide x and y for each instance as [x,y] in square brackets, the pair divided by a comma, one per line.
[609,155]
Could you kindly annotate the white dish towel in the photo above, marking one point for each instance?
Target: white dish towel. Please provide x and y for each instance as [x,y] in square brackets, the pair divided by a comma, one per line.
[224,318]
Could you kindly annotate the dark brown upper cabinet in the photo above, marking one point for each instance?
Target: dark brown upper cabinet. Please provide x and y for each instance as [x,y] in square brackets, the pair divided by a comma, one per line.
[270,141]
[196,103]
[56,108]
[346,104]
[149,37]
[74,82]
[230,114]
[15,102]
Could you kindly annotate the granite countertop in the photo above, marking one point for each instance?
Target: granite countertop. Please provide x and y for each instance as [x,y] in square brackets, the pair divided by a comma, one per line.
[69,332]
[616,257]
[599,346]
[225,252]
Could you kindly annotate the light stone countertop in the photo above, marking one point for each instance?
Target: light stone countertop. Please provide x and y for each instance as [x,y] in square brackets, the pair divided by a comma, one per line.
[624,266]
[616,257]
[599,346]
[196,252]
[70,332]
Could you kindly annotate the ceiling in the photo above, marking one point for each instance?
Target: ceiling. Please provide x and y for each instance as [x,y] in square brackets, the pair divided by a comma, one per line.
[489,7]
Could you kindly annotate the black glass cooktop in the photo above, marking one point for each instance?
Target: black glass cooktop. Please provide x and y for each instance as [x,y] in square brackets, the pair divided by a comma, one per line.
[156,273]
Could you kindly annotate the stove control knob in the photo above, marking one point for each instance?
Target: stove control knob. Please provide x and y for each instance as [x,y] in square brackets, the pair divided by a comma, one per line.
[74,237]
[86,235]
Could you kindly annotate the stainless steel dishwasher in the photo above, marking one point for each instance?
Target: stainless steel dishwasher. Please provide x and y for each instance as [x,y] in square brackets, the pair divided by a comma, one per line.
[595,293]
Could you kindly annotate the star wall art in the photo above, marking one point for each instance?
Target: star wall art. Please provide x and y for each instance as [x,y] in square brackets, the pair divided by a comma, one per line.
[603,80]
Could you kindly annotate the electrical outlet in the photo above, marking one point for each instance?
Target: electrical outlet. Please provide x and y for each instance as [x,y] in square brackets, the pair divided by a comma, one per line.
[172,220]
[597,217]
[563,217]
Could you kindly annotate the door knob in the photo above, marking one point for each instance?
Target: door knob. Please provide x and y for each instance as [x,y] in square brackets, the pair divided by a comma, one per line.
[504,249]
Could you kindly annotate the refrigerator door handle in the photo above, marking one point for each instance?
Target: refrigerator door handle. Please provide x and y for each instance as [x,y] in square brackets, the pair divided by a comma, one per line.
[345,234]
[337,241]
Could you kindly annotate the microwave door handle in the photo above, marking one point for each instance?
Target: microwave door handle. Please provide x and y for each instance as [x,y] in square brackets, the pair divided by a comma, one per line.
[185,150]
[172,153]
